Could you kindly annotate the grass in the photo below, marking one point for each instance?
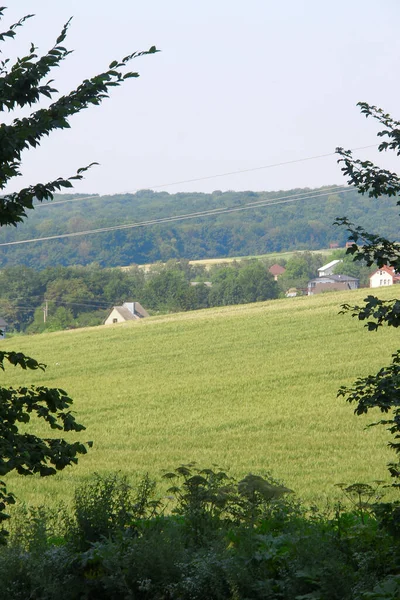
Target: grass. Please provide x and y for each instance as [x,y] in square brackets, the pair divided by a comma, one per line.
[209,262]
[251,388]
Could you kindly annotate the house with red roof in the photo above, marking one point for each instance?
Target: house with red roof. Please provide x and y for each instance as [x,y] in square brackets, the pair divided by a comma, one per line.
[383,276]
[276,270]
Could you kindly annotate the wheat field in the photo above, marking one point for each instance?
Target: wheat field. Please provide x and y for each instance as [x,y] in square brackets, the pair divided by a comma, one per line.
[251,388]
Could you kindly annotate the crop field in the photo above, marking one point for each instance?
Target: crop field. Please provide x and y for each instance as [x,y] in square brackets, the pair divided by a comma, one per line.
[251,388]
[209,262]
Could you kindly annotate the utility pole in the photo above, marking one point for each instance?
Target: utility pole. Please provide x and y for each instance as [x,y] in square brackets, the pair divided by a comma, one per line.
[45,311]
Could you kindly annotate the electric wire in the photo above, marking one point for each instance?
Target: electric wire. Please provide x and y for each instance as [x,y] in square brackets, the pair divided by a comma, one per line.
[207,177]
[205,213]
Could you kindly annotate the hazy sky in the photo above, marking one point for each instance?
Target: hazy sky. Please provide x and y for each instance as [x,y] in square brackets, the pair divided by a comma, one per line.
[237,85]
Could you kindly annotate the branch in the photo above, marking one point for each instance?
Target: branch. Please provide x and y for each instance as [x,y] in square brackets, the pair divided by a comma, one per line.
[27,132]
[13,207]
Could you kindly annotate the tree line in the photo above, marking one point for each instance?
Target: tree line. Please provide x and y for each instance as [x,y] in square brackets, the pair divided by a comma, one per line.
[303,224]
[64,297]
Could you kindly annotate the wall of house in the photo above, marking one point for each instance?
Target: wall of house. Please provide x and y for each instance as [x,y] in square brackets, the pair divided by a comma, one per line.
[336,286]
[380,278]
[112,316]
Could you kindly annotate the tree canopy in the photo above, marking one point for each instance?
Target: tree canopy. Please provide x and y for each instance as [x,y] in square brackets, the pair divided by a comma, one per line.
[23,85]
[381,390]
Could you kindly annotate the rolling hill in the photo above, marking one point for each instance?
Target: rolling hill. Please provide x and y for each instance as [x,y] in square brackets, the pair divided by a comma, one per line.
[251,388]
[147,226]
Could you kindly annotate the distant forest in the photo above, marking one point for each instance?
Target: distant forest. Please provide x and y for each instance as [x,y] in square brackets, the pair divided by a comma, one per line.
[296,225]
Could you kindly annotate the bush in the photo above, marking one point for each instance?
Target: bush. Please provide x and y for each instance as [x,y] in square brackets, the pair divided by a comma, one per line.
[221,539]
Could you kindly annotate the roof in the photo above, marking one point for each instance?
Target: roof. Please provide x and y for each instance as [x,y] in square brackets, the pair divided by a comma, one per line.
[331,285]
[329,265]
[136,308]
[125,313]
[342,278]
[388,270]
[276,269]
[2,323]
[334,278]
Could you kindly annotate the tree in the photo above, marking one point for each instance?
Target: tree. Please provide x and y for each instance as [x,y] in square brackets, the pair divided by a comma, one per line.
[382,390]
[300,268]
[256,282]
[348,266]
[23,85]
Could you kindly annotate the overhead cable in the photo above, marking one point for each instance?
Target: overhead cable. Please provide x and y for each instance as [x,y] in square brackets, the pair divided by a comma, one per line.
[207,177]
[205,213]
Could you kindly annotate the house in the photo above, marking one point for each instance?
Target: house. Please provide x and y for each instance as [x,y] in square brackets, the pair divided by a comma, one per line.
[129,311]
[206,283]
[328,269]
[332,283]
[383,276]
[276,270]
[291,293]
[3,328]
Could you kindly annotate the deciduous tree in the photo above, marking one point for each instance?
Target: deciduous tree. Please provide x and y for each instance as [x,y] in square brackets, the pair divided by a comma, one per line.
[23,85]
[382,390]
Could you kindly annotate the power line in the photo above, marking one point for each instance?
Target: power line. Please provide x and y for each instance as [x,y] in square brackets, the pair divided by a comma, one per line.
[104,305]
[205,213]
[279,164]
[207,177]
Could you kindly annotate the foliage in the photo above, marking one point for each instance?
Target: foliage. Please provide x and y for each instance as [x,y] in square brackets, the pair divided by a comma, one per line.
[226,379]
[106,505]
[305,225]
[382,390]
[240,283]
[300,268]
[287,552]
[348,266]
[21,87]
[82,296]
[27,453]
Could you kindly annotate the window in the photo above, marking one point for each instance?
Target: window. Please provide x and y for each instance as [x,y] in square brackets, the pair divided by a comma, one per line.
[115,320]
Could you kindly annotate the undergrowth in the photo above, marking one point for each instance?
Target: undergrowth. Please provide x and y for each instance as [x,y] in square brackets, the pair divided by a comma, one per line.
[212,537]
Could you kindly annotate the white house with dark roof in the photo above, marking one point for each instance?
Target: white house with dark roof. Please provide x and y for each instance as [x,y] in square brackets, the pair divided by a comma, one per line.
[332,283]
[129,311]
[328,268]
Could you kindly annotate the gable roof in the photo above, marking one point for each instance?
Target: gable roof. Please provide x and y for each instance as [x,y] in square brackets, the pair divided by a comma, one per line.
[329,265]
[334,278]
[125,313]
[389,270]
[343,278]
[130,311]
[276,269]
[136,308]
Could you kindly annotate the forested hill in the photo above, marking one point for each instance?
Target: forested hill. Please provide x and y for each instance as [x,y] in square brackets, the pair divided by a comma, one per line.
[305,223]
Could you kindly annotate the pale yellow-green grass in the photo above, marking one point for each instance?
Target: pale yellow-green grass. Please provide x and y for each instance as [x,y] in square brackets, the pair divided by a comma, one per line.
[251,388]
[209,262]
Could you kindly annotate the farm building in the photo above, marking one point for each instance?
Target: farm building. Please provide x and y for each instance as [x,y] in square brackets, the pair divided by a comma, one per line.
[129,311]
[328,268]
[276,270]
[383,276]
[332,283]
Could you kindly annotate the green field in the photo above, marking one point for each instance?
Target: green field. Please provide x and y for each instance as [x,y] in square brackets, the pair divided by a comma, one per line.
[250,388]
[209,262]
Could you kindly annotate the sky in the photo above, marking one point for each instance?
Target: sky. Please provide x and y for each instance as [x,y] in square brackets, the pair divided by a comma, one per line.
[236,86]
